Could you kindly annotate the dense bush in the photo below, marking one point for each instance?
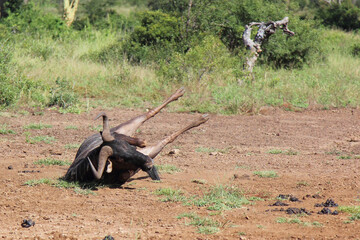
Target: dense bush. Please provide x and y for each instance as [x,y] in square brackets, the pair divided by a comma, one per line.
[295,51]
[209,58]
[355,50]
[155,38]
[29,19]
[62,94]
[345,15]
[100,15]
[8,91]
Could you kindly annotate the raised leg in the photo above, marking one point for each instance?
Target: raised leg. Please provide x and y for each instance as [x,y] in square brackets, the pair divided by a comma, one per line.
[129,127]
[153,151]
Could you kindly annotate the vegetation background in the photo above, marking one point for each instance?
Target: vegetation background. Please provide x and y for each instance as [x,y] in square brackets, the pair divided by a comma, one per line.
[132,53]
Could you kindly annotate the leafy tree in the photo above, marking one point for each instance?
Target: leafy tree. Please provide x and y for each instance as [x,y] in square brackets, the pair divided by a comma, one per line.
[8,6]
[345,15]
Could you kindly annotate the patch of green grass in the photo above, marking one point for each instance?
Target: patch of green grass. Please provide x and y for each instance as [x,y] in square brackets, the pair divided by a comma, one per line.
[39,113]
[71,109]
[170,195]
[298,221]
[266,174]
[167,168]
[256,199]
[72,146]
[275,151]
[51,161]
[5,130]
[204,225]
[333,152]
[220,198]
[38,126]
[353,210]
[212,150]
[46,139]
[97,128]
[344,157]
[84,189]
[71,127]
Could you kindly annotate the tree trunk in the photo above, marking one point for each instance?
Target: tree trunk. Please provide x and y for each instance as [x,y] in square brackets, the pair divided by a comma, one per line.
[70,7]
[264,32]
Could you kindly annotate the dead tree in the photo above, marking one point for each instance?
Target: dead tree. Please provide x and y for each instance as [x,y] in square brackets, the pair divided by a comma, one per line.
[70,7]
[264,32]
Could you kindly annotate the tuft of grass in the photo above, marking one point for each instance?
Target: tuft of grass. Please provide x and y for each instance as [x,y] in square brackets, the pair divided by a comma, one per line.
[38,126]
[344,157]
[170,195]
[46,139]
[4,130]
[167,168]
[71,127]
[204,225]
[220,198]
[211,150]
[84,189]
[51,161]
[275,151]
[353,210]
[266,174]
[298,221]
[72,146]
[96,128]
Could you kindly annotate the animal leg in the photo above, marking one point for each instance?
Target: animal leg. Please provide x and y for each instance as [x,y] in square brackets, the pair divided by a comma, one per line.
[129,127]
[153,151]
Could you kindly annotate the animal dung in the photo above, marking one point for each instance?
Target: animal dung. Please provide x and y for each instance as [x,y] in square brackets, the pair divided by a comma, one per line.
[26,223]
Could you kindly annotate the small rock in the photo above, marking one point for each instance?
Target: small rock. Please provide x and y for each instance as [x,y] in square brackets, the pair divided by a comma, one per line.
[26,223]
[10,167]
[174,151]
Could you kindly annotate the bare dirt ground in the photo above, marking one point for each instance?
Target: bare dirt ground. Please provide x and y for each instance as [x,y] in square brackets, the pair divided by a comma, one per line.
[319,160]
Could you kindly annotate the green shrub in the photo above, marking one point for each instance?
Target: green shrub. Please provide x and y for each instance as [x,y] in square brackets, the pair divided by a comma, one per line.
[207,60]
[345,15]
[63,95]
[355,50]
[8,90]
[32,20]
[100,15]
[295,51]
[155,38]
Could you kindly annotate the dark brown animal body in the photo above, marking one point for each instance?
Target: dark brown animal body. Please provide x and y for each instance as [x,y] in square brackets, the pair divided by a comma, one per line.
[112,157]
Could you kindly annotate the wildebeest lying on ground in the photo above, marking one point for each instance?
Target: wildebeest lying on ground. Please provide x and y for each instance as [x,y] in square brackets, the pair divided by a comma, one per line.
[111,155]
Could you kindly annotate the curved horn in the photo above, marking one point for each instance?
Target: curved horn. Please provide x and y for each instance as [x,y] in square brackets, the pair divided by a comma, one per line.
[104,154]
[106,136]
